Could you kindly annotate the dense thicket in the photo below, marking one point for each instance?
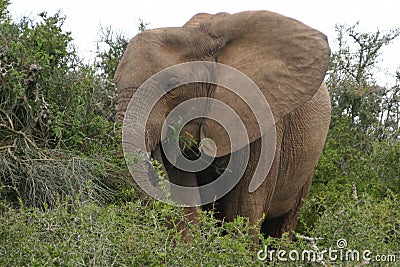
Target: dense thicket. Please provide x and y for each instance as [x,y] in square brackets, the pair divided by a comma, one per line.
[56,115]
[363,144]
[59,156]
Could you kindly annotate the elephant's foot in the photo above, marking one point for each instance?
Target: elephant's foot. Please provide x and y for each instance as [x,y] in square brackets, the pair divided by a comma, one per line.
[191,217]
[276,227]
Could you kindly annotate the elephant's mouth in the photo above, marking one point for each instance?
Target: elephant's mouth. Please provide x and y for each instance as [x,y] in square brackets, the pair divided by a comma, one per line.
[164,165]
[190,151]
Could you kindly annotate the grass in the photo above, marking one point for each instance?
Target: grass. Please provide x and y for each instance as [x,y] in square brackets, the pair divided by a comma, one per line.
[42,177]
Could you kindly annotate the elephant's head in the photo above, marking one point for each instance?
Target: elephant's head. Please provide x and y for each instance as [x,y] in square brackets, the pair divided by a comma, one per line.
[286,59]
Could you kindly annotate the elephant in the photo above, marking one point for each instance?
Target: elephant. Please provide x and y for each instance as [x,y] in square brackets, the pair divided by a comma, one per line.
[287,60]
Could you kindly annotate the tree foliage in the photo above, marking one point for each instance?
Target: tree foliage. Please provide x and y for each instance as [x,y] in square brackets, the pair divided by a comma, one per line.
[365,114]
[362,150]
[373,109]
[56,117]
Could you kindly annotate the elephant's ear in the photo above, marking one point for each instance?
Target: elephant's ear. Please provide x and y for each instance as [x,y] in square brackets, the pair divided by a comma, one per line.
[286,59]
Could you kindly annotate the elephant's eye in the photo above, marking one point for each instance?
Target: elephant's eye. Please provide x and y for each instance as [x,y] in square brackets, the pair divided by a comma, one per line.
[170,83]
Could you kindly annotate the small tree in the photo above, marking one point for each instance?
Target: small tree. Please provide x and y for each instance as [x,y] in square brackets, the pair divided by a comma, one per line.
[351,78]
[50,115]
[353,87]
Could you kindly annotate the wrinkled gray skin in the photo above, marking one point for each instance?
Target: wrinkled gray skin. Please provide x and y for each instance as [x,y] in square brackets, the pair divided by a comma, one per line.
[287,60]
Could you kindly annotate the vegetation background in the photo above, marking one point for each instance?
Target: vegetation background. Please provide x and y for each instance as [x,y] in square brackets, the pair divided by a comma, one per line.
[66,198]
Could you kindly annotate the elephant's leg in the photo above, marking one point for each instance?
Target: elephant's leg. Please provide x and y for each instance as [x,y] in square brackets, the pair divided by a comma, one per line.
[286,223]
[207,176]
[239,201]
[302,143]
[186,179]
[182,178]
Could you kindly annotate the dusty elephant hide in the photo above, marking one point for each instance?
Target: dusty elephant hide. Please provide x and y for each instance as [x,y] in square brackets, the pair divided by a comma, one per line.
[286,59]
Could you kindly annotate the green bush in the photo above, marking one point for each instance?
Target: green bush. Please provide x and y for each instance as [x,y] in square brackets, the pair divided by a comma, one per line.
[365,221]
[56,116]
[46,92]
[135,234]
[131,234]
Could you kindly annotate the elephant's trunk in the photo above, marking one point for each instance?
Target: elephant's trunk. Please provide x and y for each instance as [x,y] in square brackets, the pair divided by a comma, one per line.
[157,154]
[124,96]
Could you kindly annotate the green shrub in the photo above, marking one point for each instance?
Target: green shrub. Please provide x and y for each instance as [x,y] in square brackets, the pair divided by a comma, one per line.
[334,211]
[131,234]
[57,134]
